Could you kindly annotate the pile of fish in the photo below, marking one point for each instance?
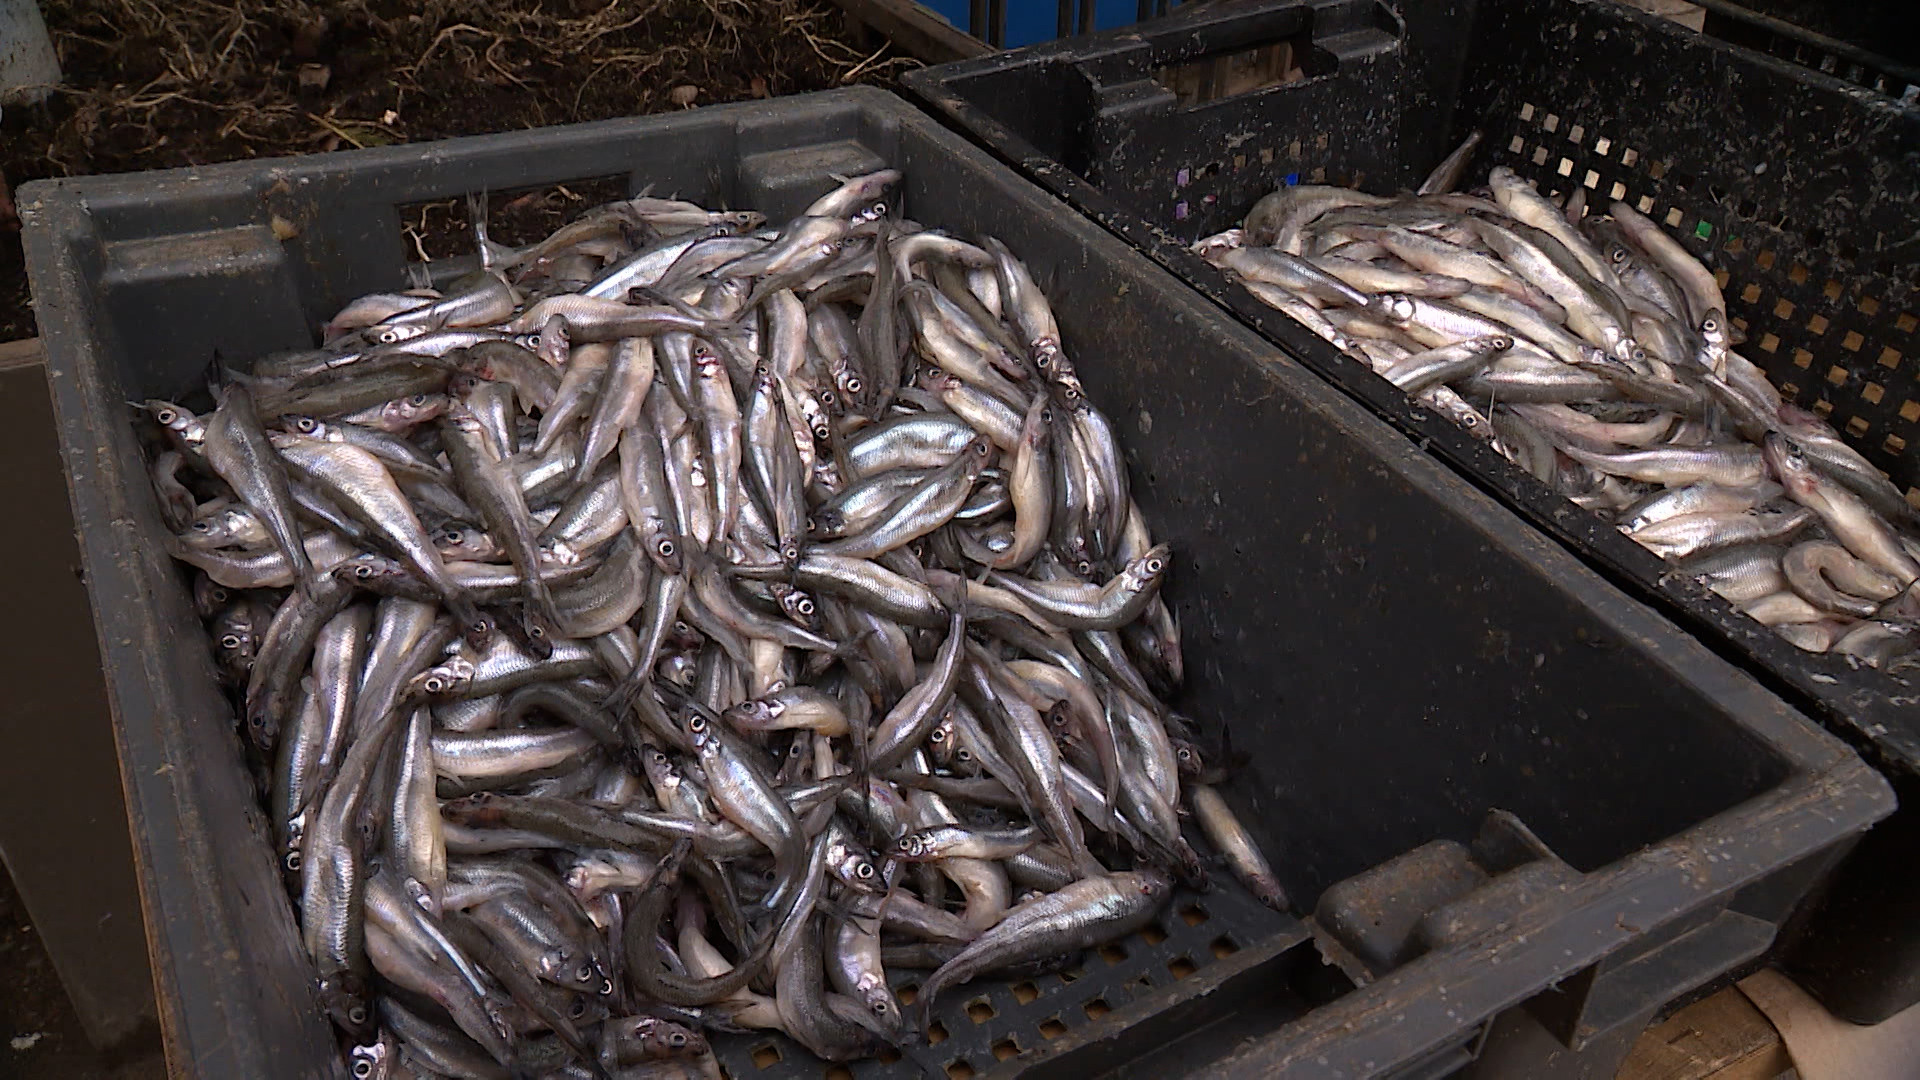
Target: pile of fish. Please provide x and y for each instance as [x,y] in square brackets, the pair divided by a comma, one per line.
[1593,351]
[681,625]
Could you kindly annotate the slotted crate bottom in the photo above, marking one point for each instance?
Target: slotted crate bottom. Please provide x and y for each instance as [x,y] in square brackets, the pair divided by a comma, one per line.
[980,1025]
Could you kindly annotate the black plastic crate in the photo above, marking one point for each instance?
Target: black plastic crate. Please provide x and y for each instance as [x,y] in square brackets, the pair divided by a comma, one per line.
[1796,185]
[1506,775]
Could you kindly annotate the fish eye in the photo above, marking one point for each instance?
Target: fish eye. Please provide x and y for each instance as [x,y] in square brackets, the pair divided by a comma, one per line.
[965,754]
[585,972]
[665,547]
[433,685]
[203,525]
[1154,566]
[362,1069]
[854,385]
[805,606]
[417,400]
[165,416]
[306,425]
[576,1008]
[357,1015]
[535,631]
[698,724]
[293,861]
[363,572]
[864,872]
[677,1039]
[937,735]
[828,397]
[230,641]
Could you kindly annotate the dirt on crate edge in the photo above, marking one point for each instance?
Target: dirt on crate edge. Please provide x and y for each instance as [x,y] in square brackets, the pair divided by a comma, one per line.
[155,86]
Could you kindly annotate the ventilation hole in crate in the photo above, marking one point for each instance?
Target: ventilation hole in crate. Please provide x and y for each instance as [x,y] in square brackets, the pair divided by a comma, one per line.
[1823,408]
[1601,145]
[1576,133]
[1703,230]
[1193,915]
[1905,323]
[1889,357]
[1802,358]
[1024,992]
[1526,111]
[766,1057]
[1750,294]
[1656,169]
[980,1010]
[1832,289]
[1747,208]
[1551,123]
[1739,324]
[1816,236]
[1769,342]
[1836,374]
[1072,974]
[1239,162]
[1317,176]
[1096,1008]
[1266,155]
[1789,390]
[1320,141]
[1516,145]
[887,1055]
[959,1070]
[1857,427]
[1674,217]
[1153,933]
[1720,279]
[1872,393]
[1293,149]
[1846,251]
[1764,260]
[1910,410]
[1817,325]
[1181,967]
[1797,274]
[1683,181]
[1714,194]
[1734,245]
[1628,156]
[837,1072]
[1540,155]
[1052,1028]
[1869,306]
[1112,953]
[1358,179]
[1006,1048]
[1592,181]
[906,994]
[1223,947]
[1617,192]
[936,1033]
[1565,168]
[1852,341]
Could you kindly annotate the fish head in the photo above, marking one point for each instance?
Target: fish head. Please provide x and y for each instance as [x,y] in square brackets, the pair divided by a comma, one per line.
[369,571]
[1790,464]
[941,743]
[758,713]
[446,679]
[209,596]
[1146,572]
[372,1060]
[796,604]
[345,998]
[401,414]
[458,540]
[394,333]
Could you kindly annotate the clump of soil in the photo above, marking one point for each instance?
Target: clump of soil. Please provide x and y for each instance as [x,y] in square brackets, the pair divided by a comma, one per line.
[158,83]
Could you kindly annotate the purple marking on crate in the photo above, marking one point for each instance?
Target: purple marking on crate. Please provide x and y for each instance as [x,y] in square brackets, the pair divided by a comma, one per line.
[1182,178]
[1293,178]
[1180,210]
